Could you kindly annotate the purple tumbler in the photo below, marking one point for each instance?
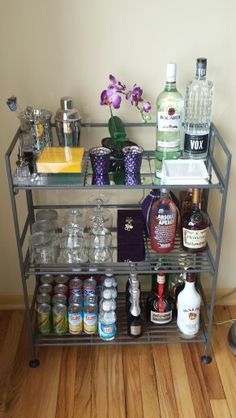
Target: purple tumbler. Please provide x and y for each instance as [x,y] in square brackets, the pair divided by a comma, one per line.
[132,164]
[100,160]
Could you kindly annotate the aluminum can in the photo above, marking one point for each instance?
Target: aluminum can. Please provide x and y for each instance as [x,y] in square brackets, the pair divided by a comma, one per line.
[76,287]
[44,318]
[47,279]
[61,279]
[60,288]
[89,286]
[45,288]
[59,319]
[75,300]
[59,298]
[43,298]
[75,319]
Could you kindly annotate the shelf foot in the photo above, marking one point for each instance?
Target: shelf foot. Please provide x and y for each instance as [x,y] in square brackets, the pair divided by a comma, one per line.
[206,359]
[34,363]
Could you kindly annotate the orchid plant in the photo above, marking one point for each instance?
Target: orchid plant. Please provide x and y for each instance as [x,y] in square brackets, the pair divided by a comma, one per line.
[112,97]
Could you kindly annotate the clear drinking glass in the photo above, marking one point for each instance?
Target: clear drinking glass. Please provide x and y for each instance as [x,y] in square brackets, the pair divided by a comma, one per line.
[42,249]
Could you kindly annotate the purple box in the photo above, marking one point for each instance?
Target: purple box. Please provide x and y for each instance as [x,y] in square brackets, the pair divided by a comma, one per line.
[130,233]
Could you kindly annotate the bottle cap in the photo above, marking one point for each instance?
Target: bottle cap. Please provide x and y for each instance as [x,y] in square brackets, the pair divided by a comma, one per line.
[171,73]
[108,282]
[201,67]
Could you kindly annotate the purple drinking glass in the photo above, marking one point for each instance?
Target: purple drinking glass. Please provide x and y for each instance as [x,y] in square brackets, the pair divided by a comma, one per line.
[100,161]
[132,156]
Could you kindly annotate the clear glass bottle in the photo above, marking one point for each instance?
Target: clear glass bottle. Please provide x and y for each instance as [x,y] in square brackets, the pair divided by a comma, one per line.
[198,111]
[134,314]
[195,225]
[163,223]
[169,122]
[188,308]
[160,305]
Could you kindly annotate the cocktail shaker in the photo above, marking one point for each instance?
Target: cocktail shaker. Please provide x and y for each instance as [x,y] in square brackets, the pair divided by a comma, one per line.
[67,123]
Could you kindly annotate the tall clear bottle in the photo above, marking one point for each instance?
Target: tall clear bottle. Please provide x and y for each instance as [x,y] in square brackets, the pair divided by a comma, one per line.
[169,118]
[198,111]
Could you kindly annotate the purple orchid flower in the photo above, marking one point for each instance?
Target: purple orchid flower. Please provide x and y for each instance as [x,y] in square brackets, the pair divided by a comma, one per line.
[115,84]
[135,95]
[147,106]
[109,97]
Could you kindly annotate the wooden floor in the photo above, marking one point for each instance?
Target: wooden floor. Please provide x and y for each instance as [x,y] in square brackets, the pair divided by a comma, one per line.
[116,382]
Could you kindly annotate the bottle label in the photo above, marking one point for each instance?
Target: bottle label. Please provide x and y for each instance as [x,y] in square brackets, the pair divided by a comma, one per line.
[164,231]
[196,144]
[135,330]
[161,317]
[188,320]
[194,238]
[90,322]
[107,331]
[168,121]
[75,322]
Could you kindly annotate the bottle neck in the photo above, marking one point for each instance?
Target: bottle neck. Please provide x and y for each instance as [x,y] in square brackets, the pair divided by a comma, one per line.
[170,86]
[135,307]
[160,286]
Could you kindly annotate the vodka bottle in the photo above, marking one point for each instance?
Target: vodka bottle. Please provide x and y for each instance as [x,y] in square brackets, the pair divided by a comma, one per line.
[169,122]
[188,308]
[198,110]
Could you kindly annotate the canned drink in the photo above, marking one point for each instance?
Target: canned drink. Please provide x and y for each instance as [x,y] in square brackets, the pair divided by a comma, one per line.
[47,279]
[75,300]
[44,318]
[75,319]
[59,298]
[76,286]
[90,315]
[43,298]
[89,286]
[61,279]
[45,288]
[60,288]
[59,319]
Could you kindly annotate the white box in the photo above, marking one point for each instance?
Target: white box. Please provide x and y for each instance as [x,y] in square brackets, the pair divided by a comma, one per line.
[186,171]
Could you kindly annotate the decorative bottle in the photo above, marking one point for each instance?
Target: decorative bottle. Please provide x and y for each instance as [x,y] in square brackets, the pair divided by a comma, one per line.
[134,314]
[195,224]
[198,110]
[160,305]
[169,122]
[163,223]
[188,308]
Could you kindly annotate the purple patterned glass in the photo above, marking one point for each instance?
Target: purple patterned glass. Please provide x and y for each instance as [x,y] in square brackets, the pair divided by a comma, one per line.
[132,164]
[100,160]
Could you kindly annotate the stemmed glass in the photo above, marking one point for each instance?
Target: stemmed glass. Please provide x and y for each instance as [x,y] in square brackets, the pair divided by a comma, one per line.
[99,211]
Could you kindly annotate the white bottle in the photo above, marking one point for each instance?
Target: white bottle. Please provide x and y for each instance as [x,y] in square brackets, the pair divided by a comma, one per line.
[188,308]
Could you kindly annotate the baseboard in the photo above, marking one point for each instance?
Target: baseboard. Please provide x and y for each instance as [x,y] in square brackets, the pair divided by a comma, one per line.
[224,296]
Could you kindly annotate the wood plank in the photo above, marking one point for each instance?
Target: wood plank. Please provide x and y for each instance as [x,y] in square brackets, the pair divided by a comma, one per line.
[66,387]
[151,406]
[83,383]
[100,382]
[200,399]
[5,318]
[134,403]
[116,392]
[182,388]
[165,383]
[220,408]
[224,357]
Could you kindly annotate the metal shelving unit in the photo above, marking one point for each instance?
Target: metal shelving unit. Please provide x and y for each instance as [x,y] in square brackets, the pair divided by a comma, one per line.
[218,165]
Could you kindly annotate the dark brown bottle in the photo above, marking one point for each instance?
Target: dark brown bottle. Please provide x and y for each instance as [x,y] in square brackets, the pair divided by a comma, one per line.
[134,314]
[160,305]
[195,225]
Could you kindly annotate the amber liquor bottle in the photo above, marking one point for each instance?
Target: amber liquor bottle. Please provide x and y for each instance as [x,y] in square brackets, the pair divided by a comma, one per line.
[195,224]
[160,305]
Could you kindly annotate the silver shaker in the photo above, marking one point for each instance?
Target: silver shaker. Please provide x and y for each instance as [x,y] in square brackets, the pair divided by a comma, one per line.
[67,123]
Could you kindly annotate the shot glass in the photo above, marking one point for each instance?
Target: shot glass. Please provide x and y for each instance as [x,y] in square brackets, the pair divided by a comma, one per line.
[100,161]
[132,156]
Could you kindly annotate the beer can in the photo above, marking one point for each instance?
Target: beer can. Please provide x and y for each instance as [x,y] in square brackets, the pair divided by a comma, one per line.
[60,288]
[89,286]
[45,288]
[75,286]
[61,279]
[75,300]
[47,279]
[59,298]
[59,319]
[44,318]
[75,319]
[43,298]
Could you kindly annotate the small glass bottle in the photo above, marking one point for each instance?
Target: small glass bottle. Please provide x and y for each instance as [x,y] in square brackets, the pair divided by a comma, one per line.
[169,121]
[22,168]
[160,305]
[163,223]
[195,224]
[134,315]
[188,308]
[198,110]
[107,321]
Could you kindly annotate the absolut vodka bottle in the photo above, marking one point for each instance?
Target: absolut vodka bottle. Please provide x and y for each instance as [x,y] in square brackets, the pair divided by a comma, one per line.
[198,110]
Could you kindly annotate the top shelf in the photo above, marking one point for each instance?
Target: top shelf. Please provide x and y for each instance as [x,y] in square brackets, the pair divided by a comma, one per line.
[218,166]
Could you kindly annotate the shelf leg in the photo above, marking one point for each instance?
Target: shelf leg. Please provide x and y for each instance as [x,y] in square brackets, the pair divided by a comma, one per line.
[34,363]
[206,359]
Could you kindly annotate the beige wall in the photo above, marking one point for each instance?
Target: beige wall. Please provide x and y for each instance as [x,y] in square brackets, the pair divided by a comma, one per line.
[51,48]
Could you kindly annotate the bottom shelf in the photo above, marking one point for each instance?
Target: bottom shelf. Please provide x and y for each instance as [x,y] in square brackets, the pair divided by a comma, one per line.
[152,334]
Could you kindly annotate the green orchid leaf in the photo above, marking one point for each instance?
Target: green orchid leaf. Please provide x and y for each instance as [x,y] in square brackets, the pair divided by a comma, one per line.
[116,128]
